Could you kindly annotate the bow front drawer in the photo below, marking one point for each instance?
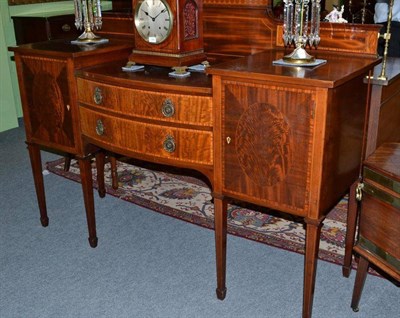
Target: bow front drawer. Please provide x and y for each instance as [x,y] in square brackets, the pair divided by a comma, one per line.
[179,108]
[147,140]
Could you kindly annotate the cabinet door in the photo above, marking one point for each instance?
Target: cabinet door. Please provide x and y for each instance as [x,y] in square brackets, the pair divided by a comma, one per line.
[46,102]
[267,138]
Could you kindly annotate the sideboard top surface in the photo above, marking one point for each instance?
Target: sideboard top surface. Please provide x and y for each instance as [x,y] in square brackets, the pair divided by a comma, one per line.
[64,48]
[338,69]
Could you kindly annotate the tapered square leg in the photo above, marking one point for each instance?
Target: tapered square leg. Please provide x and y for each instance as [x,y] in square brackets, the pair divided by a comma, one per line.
[100,161]
[350,230]
[361,275]
[114,173]
[36,163]
[313,235]
[220,208]
[87,187]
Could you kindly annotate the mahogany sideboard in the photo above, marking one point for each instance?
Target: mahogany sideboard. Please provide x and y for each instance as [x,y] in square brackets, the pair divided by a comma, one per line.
[303,141]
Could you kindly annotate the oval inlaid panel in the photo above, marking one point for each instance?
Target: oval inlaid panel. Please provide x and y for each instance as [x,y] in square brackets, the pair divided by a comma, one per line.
[263,144]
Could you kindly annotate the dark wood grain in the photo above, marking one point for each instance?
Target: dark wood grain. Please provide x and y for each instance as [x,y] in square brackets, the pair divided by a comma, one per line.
[38,29]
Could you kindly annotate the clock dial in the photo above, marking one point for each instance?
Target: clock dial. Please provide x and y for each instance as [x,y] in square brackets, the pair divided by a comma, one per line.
[153,20]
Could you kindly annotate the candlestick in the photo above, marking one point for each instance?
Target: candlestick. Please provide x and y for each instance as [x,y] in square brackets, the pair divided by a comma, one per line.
[299,30]
[88,16]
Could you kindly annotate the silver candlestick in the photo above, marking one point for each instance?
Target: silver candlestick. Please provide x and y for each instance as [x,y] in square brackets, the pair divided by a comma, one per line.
[88,18]
[300,30]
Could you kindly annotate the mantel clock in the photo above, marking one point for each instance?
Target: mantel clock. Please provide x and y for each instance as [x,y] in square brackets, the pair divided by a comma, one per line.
[168,32]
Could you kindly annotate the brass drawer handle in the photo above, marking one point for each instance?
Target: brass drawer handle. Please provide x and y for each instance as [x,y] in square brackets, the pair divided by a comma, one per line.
[169,144]
[97,96]
[168,108]
[66,27]
[99,127]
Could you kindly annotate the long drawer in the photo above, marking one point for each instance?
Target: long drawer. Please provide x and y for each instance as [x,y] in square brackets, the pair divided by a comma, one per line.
[148,140]
[177,108]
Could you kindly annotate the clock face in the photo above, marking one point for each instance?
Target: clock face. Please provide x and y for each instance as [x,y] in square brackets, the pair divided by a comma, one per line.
[153,20]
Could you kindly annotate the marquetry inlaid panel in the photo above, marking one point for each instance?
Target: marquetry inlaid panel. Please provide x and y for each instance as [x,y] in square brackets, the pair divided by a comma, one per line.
[267,133]
[48,99]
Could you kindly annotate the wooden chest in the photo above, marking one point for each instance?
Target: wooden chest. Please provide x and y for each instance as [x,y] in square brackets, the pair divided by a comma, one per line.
[37,29]
[379,220]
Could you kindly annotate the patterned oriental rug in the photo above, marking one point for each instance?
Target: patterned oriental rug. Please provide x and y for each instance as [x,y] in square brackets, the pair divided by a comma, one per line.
[188,198]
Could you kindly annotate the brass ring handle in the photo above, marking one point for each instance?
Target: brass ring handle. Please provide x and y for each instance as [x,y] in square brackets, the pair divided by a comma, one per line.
[66,27]
[97,96]
[168,108]
[99,127]
[169,144]
[228,140]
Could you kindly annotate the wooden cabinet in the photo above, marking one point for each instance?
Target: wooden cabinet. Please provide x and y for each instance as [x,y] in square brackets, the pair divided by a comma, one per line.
[48,102]
[46,76]
[289,139]
[378,212]
[37,29]
[48,90]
